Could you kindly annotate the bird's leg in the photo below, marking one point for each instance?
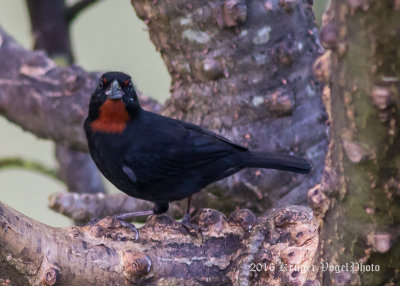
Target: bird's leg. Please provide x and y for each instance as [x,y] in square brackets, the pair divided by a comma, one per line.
[191,228]
[159,208]
[186,217]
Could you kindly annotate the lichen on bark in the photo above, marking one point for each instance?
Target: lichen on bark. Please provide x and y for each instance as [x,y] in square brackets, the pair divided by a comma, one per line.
[362,222]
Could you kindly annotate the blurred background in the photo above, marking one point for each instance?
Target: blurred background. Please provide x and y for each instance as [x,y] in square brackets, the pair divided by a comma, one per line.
[94,34]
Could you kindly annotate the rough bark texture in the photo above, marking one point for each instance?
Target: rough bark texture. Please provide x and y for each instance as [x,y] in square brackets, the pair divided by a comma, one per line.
[222,252]
[83,208]
[242,68]
[358,199]
[53,98]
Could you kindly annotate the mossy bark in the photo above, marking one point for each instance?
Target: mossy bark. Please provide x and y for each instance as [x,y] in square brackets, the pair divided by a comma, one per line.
[358,198]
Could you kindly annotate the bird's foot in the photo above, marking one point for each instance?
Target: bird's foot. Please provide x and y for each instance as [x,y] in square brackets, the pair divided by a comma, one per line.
[128,225]
[123,217]
[191,228]
[186,219]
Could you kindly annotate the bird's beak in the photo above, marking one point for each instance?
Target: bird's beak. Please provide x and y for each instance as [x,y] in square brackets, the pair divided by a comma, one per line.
[114,91]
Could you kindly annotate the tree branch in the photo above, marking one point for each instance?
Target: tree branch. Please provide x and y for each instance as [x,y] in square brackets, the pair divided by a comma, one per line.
[72,12]
[85,207]
[78,171]
[222,252]
[55,99]
[16,162]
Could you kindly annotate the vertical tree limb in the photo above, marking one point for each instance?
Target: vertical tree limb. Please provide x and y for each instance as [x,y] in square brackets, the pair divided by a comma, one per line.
[358,198]
[71,12]
[50,28]
[242,68]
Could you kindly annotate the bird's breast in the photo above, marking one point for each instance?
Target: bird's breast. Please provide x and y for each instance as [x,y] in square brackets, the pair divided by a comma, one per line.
[112,119]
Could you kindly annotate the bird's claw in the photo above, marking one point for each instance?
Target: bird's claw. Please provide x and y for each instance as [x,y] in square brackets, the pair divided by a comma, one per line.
[191,228]
[128,225]
[186,219]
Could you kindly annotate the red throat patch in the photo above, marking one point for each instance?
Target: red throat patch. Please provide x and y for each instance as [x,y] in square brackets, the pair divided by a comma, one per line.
[113,117]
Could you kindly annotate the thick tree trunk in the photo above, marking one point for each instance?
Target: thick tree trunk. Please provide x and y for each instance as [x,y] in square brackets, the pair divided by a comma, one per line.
[242,68]
[273,250]
[358,199]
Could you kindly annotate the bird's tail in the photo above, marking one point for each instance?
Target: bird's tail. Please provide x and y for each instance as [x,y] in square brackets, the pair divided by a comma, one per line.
[276,161]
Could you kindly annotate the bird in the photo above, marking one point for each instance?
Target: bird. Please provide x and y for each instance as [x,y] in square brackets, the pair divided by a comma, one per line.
[161,159]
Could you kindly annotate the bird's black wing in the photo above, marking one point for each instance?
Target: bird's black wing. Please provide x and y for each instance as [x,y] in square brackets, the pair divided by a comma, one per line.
[212,135]
[175,149]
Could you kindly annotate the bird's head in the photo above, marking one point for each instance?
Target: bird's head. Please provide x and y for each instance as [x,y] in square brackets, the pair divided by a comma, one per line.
[115,86]
[113,103]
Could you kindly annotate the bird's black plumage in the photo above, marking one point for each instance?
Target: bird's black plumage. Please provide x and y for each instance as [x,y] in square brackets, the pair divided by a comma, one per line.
[159,159]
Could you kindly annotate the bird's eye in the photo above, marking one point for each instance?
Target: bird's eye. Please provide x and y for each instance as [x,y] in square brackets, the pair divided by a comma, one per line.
[101,84]
[128,84]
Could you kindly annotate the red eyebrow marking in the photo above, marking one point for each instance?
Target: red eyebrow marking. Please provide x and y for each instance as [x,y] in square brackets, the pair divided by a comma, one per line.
[112,118]
[104,80]
[126,82]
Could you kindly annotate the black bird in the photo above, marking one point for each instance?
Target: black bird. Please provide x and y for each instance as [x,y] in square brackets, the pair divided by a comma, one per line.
[160,159]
